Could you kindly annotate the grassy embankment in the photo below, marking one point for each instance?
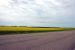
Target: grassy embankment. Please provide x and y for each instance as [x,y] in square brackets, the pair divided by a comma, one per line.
[24,30]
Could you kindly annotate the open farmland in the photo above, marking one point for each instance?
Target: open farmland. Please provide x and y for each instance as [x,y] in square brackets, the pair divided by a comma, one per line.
[15,29]
[26,29]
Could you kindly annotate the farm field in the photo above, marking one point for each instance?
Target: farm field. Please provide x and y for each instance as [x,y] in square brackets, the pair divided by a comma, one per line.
[26,28]
[15,29]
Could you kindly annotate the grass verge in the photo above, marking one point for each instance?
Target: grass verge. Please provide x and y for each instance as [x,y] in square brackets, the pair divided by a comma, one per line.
[26,32]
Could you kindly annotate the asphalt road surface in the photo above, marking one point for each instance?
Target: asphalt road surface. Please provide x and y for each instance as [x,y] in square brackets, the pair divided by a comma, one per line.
[64,40]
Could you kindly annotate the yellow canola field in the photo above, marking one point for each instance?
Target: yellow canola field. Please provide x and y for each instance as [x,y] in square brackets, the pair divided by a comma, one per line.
[27,29]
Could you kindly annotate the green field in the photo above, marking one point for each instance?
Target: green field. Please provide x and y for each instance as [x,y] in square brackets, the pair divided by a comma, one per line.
[24,30]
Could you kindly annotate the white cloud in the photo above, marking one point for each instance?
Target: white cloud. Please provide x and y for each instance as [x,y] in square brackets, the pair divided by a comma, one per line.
[37,12]
[41,2]
[3,2]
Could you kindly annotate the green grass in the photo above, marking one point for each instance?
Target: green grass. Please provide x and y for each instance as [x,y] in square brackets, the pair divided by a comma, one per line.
[25,32]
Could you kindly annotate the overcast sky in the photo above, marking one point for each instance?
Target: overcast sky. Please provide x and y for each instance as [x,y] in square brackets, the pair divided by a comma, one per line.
[54,13]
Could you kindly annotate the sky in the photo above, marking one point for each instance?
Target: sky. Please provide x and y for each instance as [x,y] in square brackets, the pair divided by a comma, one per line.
[46,13]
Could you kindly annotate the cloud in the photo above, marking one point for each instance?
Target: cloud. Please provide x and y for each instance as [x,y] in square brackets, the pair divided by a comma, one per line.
[37,12]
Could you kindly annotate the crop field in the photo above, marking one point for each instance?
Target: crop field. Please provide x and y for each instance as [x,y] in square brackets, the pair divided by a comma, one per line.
[14,30]
[26,29]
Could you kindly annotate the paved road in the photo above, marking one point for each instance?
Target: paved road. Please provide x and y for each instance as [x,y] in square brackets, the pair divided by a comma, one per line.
[64,40]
